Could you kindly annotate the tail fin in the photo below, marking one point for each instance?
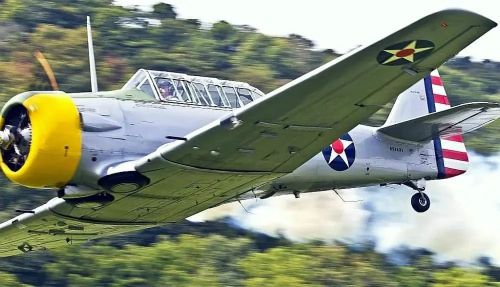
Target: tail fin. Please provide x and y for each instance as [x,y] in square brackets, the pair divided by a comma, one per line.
[410,104]
[428,96]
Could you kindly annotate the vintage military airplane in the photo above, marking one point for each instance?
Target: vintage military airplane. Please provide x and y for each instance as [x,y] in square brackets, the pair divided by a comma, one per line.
[168,145]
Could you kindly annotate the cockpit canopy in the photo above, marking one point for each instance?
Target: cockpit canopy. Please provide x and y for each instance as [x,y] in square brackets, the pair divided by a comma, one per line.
[182,88]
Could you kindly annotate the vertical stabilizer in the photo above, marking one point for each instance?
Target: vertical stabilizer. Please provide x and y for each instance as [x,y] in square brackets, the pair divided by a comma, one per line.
[410,104]
[93,74]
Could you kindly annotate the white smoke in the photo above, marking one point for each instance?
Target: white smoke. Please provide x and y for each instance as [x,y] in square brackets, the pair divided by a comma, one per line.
[461,225]
[319,216]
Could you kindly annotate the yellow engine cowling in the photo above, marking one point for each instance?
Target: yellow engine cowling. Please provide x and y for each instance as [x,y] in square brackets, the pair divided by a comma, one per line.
[56,140]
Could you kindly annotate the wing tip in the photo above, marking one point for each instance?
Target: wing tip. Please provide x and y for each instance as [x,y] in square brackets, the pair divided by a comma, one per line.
[485,21]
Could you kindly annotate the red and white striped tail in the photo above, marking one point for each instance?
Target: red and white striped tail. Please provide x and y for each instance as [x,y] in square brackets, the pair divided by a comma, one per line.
[451,155]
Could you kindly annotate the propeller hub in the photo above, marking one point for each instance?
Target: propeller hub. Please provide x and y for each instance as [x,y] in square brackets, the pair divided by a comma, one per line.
[15,139]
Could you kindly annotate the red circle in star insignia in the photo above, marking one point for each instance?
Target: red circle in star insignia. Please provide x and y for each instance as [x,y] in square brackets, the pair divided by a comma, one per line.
[338,147]
[405,53]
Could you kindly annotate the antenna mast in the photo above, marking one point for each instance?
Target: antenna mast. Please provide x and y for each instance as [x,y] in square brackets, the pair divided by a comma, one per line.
[93,74]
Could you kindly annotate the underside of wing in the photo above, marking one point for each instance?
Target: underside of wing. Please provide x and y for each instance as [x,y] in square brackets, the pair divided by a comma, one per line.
[43,229]
[287,127]
[454,121]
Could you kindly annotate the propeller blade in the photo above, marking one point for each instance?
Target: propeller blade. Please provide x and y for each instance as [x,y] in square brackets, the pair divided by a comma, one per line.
[48,70]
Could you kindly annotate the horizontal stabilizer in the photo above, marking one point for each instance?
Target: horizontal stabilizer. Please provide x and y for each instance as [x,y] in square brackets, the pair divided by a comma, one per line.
[454,121]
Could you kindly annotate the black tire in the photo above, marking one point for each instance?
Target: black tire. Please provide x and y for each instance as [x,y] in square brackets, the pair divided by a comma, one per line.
[123,182]
[420,204]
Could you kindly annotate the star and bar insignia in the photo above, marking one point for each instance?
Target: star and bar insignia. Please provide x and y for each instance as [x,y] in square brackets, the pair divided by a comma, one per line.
[405,52]
[340,154]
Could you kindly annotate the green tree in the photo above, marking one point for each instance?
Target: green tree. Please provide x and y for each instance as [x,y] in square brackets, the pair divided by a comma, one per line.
[186,261]
[164,11]
[9,280]
[279,267]
[66,51]
[458,277]
[222,30]
[67,14]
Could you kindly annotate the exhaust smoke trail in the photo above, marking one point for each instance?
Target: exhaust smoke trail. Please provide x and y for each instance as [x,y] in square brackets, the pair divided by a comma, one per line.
[461,225]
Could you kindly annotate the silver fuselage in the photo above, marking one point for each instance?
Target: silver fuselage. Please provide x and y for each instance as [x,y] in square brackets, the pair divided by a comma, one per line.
[117,130]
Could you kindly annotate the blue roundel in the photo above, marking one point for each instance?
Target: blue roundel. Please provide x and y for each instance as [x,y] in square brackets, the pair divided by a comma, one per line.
[340,154]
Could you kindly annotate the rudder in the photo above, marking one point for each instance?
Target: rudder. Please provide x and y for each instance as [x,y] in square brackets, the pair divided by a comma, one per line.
[451,155]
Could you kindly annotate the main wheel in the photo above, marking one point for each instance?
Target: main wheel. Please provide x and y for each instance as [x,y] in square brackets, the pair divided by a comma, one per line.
[420,202]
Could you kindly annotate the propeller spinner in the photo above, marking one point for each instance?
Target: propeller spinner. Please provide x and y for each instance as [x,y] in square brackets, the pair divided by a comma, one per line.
[15,139]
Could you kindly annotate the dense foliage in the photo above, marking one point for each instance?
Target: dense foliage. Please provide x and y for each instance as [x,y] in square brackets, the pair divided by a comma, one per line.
[216,260]
[128,39]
